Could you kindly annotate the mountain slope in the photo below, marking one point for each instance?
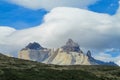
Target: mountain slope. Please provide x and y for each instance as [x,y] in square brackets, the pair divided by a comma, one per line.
[69,54]
[18,69]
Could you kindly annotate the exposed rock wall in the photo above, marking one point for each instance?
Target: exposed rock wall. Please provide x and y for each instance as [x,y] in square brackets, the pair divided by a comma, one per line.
[69,54]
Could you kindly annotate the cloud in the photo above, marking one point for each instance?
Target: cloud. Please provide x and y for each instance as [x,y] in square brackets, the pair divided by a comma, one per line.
[91,30]
[107,57]
[4,32]
[5,46]
[50,4]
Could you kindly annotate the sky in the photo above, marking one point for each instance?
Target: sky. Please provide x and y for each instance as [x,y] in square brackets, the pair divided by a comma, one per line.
[94,24]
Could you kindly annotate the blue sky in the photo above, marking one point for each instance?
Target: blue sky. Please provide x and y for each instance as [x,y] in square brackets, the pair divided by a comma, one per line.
[20,17]
[105,6]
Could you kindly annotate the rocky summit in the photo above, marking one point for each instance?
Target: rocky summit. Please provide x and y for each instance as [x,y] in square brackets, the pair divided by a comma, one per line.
[69,54]
[34,46]
[71,46]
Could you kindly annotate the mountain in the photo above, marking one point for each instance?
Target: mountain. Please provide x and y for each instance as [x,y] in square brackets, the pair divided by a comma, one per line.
[71,46]
[34,51]
[69,54]
[35,46]
[19,69]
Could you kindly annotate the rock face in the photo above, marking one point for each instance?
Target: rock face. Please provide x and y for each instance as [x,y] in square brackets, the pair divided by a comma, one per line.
[71,46]
[34,46]
[34,51]
[60,57]
[69,54]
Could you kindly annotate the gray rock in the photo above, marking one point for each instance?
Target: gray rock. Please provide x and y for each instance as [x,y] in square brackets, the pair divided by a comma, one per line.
[89,54]
[34,46]
[71,46]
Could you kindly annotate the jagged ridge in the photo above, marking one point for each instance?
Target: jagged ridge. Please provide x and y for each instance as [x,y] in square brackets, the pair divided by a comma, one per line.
[69,54]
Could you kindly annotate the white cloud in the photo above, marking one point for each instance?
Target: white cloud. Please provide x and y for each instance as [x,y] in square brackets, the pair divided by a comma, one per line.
[5,46]
[107,57]
[91,30]
[4,32]
[50,4]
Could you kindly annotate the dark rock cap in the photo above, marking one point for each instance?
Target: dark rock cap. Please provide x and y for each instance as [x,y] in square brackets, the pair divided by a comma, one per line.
[89,53]
[71,46]
[34,46]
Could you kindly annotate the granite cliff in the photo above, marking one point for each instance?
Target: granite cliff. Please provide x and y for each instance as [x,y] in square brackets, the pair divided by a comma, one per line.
[69,54]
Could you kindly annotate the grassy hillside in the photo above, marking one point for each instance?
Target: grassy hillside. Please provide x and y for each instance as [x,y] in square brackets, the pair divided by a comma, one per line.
[17,69]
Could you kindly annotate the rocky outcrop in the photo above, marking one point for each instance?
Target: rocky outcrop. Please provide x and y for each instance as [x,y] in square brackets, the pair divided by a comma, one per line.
[34,51]
[60,57]
[69,54]
[71,46]
[33,46]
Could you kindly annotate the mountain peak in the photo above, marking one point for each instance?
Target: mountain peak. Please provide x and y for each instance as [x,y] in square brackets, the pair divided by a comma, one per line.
[89,53]
[70,54]
[34,45]
[71,46]
[69,41]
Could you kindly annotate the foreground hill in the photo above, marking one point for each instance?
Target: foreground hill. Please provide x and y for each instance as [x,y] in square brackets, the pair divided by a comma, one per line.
[17,69]
[69,54]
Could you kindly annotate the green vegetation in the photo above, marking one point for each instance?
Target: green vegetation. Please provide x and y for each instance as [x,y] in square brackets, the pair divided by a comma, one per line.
[17,69]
